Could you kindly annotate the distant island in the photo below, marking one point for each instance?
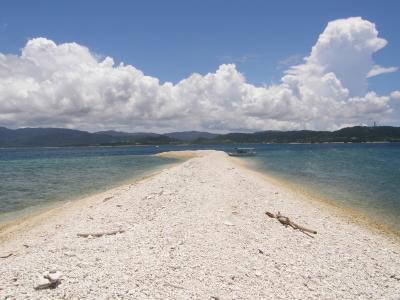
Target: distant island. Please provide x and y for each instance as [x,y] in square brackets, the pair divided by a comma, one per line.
[61,137]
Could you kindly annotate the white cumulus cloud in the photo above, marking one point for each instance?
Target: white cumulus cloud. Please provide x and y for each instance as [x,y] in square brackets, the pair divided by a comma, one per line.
[378,70]
[395,95]
[66,85]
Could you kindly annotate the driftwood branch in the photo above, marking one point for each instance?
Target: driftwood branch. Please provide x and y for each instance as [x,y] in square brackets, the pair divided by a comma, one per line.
[287,222]
[99,234]
[174,285]
[47,285]
[49,281]
[108,198]
[6,255]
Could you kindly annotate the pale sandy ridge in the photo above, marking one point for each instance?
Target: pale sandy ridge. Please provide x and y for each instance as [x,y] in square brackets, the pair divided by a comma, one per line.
[198,230]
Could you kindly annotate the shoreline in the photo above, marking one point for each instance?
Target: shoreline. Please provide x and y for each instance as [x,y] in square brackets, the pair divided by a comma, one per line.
[35,217]
[199,230]
[51,209]
[349,213]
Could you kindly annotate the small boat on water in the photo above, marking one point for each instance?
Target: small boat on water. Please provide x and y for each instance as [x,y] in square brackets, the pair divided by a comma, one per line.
[243,152]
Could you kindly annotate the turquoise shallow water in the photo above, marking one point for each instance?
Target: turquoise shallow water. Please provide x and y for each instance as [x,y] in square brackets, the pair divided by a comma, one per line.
[365,177]
[33,178]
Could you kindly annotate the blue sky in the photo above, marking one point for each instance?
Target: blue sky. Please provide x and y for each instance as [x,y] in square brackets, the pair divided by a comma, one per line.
[170,40]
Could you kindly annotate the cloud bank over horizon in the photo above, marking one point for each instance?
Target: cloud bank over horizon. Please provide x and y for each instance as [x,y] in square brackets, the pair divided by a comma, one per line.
[66,85]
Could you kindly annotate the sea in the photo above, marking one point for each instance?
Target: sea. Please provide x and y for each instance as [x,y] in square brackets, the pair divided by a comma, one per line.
[363,177]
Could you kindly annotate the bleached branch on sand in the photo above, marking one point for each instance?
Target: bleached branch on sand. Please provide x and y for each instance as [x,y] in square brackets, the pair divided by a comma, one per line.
[6,255]
[287,222]
[107,198]
[99,234]
[49,280]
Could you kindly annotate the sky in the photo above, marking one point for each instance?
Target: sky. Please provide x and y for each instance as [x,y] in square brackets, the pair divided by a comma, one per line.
[199,65]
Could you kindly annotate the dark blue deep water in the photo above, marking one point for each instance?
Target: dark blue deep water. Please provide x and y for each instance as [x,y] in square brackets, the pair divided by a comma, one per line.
[365,177]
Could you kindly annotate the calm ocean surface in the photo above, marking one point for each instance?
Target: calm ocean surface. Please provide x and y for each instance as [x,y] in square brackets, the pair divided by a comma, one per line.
[365,177]
[31,179]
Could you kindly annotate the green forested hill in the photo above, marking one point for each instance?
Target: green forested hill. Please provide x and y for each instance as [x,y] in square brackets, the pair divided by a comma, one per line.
[58,137]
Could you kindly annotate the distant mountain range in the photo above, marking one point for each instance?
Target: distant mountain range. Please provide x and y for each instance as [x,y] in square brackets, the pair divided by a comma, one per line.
[179,136]
[58,137]
[356,134]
